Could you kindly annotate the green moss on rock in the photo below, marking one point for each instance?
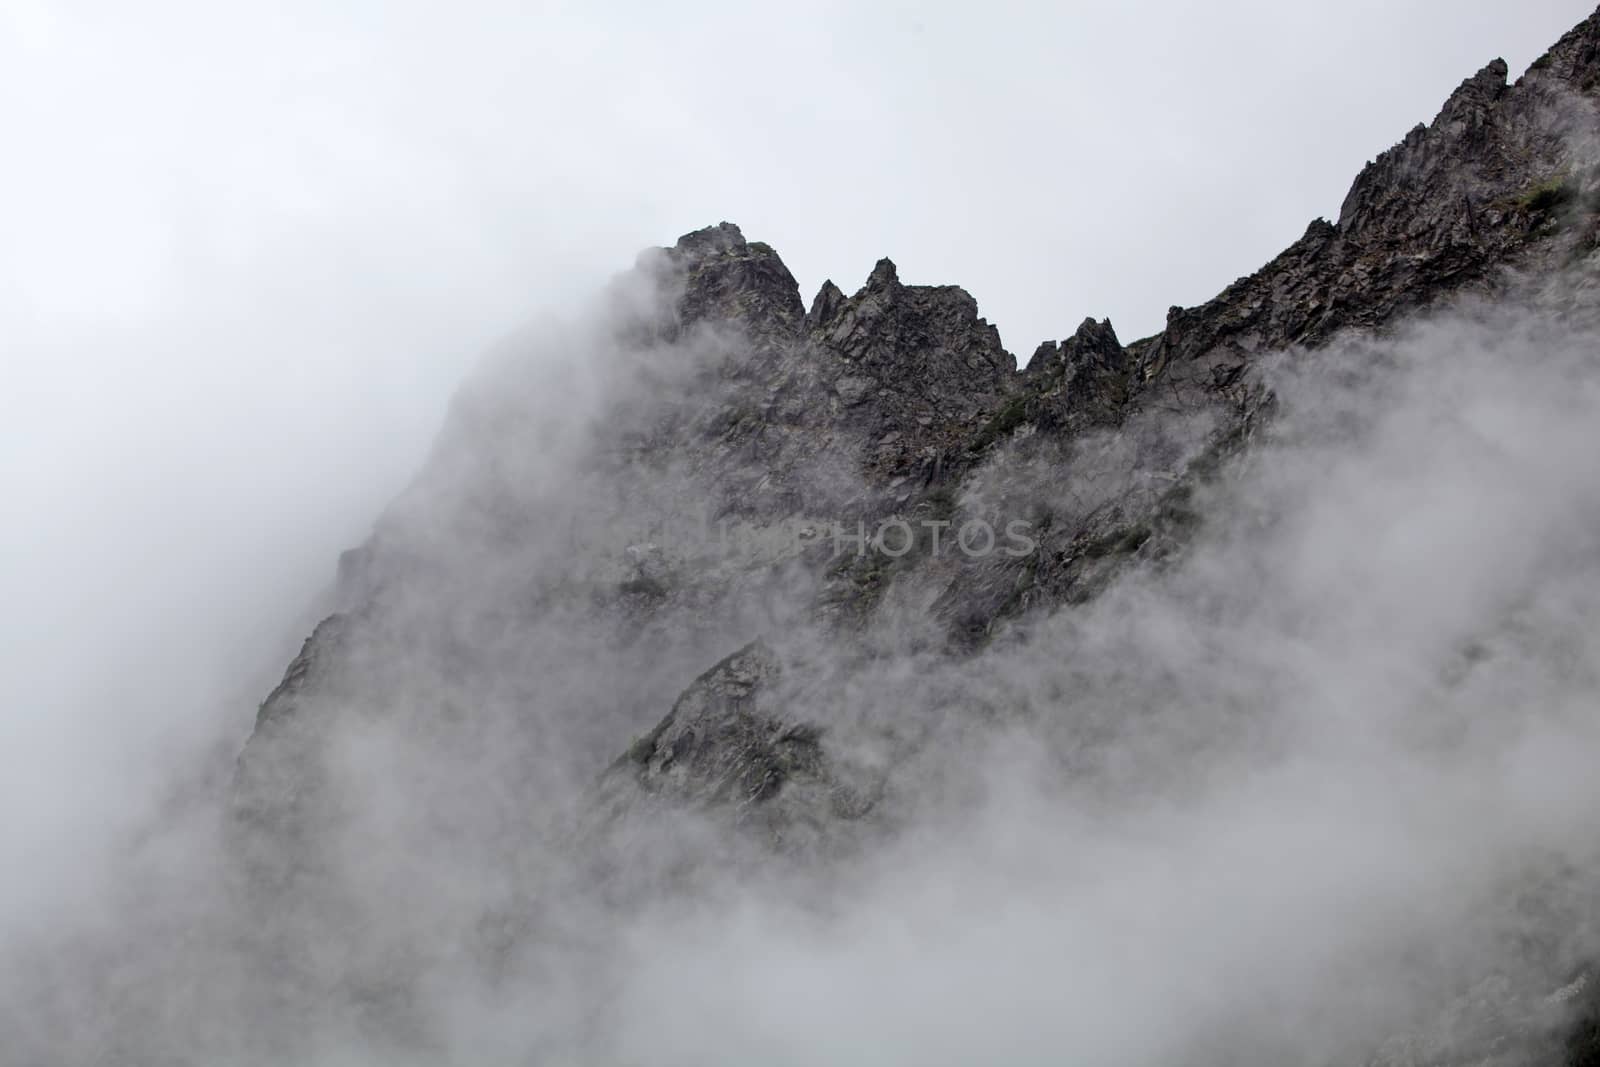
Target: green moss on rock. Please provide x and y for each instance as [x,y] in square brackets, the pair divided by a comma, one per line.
[1548,196]
[1004,423]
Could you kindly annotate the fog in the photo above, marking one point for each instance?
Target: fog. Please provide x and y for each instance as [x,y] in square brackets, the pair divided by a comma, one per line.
[248,258]
[1320,784]
[1325,783]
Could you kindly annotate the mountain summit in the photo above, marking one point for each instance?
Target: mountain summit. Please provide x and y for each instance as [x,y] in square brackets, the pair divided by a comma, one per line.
[719,595]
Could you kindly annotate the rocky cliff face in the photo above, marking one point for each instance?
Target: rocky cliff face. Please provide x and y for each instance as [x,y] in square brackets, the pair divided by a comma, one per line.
[685,526]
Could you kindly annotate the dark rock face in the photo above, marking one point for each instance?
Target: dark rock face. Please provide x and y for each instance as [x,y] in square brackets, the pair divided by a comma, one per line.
[889,401]
[687,754]
[1444,210]
[924,347]
[727,278]
[896,401]
[1086,380]
[726,742]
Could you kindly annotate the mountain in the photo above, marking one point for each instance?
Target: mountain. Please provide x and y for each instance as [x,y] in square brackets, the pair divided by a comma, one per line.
[747,595]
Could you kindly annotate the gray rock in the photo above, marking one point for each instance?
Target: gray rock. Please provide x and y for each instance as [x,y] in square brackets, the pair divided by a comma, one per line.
[896,401]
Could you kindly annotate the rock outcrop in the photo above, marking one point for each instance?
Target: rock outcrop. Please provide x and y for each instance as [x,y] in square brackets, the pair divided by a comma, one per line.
[892,400]
[801,430]
[897,400]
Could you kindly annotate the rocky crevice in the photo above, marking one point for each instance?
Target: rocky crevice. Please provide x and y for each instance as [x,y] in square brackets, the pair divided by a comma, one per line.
[899,400]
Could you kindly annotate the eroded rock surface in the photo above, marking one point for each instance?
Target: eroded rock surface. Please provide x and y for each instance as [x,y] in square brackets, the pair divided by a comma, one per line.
[722,402]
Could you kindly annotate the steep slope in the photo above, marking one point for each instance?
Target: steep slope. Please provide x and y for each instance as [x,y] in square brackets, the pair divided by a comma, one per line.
[871,481]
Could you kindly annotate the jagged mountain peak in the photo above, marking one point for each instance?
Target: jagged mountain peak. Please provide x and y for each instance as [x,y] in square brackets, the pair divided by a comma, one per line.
[722,238]
[885,276]
[719,276]
[897,403]
[1474,96]
[830,299]
[1575,59]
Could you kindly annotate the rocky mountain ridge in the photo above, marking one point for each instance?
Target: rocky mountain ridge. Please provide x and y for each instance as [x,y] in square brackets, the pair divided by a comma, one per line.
[722,402]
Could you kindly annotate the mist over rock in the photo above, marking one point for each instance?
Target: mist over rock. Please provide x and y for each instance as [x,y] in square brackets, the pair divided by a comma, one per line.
[724,643]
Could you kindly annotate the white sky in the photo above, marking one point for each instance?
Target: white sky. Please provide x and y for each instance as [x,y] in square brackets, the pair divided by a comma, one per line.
[246,252]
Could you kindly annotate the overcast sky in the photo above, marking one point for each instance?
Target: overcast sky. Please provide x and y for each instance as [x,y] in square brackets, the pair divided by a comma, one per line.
[247,251]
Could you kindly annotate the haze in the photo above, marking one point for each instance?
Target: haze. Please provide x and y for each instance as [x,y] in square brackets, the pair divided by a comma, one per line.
[246,255]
